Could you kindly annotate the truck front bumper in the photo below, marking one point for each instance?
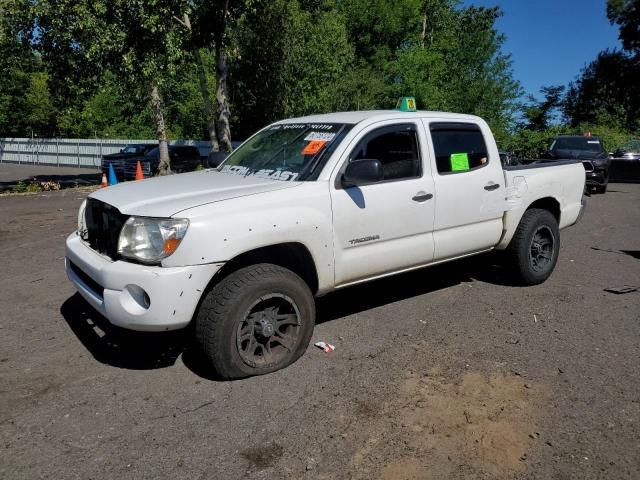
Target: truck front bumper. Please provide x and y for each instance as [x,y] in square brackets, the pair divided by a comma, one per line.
[133,296]
[597,178]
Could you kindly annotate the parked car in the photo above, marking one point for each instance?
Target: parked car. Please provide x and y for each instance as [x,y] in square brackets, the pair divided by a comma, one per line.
[625,164]
[183,158]
[304,207]
[117,159]
[591,152]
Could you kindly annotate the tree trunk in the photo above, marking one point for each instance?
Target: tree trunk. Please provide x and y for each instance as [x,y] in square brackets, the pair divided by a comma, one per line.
[222,98]
[164,168]
[208,107]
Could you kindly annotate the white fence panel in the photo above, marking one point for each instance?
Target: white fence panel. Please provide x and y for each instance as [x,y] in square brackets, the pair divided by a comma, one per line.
[68,152]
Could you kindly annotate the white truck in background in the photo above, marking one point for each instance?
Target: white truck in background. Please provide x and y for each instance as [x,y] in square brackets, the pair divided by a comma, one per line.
[302,208]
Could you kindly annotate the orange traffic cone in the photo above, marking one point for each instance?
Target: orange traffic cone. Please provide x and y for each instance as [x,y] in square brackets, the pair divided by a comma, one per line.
[139,175]
[104,181]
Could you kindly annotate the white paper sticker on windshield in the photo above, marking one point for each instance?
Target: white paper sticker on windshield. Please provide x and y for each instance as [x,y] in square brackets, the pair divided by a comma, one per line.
[322,136]
[594,141]
[272,174]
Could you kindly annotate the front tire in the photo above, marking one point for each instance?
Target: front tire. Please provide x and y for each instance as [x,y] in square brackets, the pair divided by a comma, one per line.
[533,251]
[257,320]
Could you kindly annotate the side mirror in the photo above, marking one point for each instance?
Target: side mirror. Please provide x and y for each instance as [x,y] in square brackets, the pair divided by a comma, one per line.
[122,150]
[362,172]
[216,158]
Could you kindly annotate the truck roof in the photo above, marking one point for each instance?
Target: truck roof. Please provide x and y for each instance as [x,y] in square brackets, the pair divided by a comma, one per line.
[359,116]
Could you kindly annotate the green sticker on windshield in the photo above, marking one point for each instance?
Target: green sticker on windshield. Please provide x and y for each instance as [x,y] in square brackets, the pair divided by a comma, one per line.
[459,162]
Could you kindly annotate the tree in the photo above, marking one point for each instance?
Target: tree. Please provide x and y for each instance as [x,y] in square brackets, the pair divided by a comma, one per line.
[626,14]
[538,114]
[452,60]
[203,83]
[133,38]
[606,92]
[212,24]
[290,62]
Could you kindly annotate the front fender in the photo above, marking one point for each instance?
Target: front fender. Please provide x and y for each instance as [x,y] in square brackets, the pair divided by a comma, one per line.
[221,231]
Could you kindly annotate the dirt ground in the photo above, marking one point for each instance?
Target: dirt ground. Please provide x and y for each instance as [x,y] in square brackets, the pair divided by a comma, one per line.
[445,373]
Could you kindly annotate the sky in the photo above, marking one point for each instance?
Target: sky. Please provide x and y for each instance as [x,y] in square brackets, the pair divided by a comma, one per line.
[550,41]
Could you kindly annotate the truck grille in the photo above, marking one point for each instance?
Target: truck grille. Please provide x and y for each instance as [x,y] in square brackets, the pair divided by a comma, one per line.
[588,166]
[88,281]
[104,223]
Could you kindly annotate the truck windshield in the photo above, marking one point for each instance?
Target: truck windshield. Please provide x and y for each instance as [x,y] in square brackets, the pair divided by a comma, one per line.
[577,143]
[134,149]
[289,151]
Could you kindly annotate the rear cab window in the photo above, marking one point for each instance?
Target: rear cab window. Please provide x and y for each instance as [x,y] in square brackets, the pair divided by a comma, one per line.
[459,147]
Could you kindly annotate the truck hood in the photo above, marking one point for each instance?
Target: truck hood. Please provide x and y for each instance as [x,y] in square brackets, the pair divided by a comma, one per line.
[167,196]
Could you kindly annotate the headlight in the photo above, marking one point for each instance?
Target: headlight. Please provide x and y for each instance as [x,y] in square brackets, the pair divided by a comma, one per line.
[82,223]
[149,240]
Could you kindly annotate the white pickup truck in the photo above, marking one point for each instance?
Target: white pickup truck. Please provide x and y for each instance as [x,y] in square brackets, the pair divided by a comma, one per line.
[302,208]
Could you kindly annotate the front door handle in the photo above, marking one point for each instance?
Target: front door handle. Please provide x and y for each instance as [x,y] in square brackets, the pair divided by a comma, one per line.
[492,186]
[422,197]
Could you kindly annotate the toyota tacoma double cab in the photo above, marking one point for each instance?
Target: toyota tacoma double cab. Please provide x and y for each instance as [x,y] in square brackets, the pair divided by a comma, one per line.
[304,207]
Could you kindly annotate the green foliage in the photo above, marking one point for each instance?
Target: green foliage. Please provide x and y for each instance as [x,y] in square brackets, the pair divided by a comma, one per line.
[527,143]
[290,63]
[607,92]
[19,187]
[538,114]
[626,14]
[34,187]
[358,54]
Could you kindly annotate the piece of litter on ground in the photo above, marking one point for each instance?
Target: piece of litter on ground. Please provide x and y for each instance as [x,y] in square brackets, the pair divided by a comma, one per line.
[423,322]
[621,290]
[327,347]
[535,318]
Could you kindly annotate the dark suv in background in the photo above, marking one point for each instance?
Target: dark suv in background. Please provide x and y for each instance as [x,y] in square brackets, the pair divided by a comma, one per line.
[590,150]
[183,159]
[118,159]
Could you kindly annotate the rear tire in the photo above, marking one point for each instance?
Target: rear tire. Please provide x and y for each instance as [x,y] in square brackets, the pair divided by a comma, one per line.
[533,251]
[257,320]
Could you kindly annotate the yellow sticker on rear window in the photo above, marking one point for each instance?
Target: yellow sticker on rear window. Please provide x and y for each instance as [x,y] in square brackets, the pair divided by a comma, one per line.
[459,162]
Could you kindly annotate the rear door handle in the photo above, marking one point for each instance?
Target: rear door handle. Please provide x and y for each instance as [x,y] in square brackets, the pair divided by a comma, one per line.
[422,197]
[492,186]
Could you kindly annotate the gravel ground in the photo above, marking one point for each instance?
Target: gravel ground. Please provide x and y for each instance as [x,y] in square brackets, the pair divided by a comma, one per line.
[448,372]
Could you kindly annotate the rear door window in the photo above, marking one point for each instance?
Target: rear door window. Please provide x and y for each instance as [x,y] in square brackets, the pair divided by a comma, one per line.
[458,147]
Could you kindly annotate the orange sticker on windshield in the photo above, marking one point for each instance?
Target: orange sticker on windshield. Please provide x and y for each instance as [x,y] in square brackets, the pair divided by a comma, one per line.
[313,147]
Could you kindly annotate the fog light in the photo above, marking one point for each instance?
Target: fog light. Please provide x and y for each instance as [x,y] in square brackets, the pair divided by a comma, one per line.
[135,300]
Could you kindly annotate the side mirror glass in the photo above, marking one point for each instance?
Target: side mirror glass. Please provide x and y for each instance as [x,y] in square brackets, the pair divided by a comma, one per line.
[362,172]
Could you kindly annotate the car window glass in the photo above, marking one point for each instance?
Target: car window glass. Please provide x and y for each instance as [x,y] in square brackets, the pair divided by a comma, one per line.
[458,147]
[397,149]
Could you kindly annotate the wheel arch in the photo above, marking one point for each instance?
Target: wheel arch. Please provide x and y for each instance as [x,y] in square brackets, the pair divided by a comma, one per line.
[547,203]
[293,256]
